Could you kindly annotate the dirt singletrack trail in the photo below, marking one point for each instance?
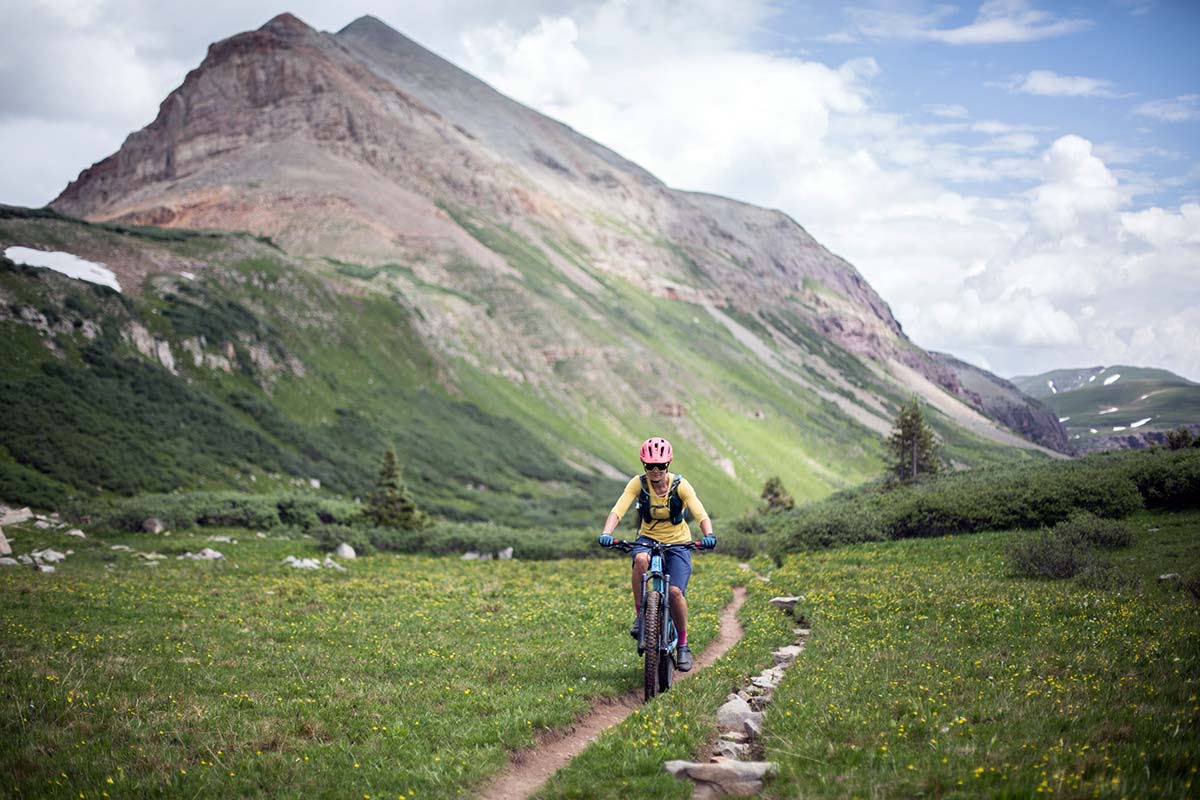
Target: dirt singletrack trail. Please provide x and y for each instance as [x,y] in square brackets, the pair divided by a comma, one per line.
[529,769]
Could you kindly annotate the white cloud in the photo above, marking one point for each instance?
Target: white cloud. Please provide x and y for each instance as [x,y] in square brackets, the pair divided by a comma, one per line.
[952,111]
[997,22]
[1050,84]
[1185,108]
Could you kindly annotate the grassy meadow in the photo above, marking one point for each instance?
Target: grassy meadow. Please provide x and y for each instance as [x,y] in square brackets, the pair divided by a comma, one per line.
[403,676]
[931,671]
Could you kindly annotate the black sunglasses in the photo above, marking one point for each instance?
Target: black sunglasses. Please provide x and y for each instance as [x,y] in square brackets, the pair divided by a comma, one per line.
[655,466]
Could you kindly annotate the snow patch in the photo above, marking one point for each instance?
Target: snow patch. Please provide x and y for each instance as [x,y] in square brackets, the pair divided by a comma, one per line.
[1092,430]
[1112,379]
[1109,410]
[1140,422]
[1063,419]
[1118,428]
[1052,389]
[67,264]
[188,275]
[1091,379]
[1143,397]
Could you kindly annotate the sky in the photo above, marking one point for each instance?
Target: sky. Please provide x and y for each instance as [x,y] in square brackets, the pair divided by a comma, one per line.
[1018,179]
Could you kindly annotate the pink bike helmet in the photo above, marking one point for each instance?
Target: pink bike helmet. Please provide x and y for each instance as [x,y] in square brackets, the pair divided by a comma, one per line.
[656,450]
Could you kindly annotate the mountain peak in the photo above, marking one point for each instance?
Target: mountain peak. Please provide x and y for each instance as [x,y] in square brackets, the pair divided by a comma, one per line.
[287,24]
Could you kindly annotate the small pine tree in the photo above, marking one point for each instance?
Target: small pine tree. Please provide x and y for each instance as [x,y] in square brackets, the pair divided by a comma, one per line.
[390,505]
[1180,438]
[913,445]
[775,496]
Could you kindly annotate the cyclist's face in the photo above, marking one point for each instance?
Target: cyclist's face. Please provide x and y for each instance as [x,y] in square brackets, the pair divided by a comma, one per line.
[656,470]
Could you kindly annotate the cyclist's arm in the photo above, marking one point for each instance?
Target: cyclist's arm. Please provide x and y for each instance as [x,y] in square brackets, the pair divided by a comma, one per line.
[632,490]
[688,495]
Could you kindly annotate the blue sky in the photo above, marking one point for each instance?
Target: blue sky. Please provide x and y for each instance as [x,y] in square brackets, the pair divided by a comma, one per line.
[1019,179]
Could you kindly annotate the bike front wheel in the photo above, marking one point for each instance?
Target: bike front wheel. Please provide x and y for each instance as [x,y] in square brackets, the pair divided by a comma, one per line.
[651,636]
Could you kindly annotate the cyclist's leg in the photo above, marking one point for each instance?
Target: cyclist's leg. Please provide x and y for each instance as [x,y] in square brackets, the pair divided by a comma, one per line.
[679,567]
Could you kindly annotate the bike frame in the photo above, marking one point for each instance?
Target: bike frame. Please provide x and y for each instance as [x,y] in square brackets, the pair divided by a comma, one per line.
[657,580]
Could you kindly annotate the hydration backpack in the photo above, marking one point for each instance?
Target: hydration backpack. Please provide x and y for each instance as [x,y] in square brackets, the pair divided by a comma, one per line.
[674,502]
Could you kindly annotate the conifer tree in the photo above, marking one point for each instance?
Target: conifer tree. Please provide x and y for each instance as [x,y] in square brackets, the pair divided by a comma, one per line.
[390,505]
[912,444]
[776,497]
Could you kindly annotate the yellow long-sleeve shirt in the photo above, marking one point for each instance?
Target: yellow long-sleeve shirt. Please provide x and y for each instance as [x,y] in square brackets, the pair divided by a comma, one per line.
[660,528]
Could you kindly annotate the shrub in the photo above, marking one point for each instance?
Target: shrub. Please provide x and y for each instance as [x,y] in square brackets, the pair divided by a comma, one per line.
[1046,556]
[775,496]
[224,509]
[1105,576]
[1089,530]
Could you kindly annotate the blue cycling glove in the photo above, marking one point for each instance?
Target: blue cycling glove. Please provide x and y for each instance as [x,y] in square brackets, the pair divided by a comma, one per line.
[708,542]
[605,540]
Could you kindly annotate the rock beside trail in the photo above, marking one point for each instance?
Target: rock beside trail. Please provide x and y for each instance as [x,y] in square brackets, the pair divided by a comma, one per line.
[346,551]
[737,716]
[724,776]
[5,547]
[785,603]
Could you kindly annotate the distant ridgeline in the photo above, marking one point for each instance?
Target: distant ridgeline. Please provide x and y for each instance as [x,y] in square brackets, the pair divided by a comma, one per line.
[1116,407]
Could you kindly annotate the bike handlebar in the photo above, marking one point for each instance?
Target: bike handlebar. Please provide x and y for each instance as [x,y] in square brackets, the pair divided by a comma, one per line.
[626,546]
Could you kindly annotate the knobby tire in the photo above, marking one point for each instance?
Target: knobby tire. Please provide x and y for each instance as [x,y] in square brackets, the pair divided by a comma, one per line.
[652,622]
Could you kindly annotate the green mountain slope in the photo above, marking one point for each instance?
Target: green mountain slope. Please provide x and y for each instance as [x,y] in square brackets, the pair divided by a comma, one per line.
[264,370]
[1100,404]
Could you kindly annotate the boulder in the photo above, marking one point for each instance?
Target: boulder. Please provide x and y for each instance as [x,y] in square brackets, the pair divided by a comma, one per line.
[48,556]
[302,563]
[505,555]
[5,547]
[734,715]
[1170,576]
[346,551]
[153,525]
[207,554]
[8,562]
[329,563]
[470,556]
[44,568]
[724,776]
[78,534]
[15,516]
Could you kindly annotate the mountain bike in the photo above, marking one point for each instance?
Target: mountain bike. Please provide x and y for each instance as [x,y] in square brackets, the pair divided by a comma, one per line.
[657,637]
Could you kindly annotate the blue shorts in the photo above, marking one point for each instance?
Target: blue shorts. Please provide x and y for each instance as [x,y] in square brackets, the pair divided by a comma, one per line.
[678,561]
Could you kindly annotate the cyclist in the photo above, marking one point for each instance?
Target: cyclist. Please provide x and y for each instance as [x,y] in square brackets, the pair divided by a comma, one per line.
[662,498]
